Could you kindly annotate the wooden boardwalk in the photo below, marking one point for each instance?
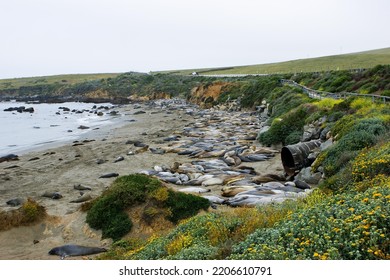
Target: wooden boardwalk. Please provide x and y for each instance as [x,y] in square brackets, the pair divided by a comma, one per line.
[318,94]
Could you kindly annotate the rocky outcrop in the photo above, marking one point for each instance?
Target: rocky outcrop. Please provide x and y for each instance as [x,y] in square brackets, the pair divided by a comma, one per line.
[206,95]
[153,96]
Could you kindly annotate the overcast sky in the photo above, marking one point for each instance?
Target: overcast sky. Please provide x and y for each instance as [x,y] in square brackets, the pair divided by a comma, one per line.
[48,37]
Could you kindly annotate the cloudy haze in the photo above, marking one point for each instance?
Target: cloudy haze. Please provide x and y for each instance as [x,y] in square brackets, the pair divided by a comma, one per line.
[48,37]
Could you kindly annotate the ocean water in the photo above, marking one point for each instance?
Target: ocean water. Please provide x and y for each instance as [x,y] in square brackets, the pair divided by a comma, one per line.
[25,131]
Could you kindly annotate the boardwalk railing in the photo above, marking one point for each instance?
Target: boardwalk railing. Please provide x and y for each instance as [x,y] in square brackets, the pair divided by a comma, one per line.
[318,94]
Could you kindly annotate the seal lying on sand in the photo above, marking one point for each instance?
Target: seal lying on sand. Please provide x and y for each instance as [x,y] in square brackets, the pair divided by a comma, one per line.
[52,195]
[75,250]
[109,175]
[15,202]
[81,188]
[82,198]
[9,157]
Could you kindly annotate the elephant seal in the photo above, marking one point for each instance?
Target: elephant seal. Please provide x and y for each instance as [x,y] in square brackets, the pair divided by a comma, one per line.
[100,161]
[290,184]
[120,158]
[52,195]
[157,151]
[15,202]
[213,181]
[81,188]
[75,250]
[109,175]
[141,150]
[9,157]
[82,198]
[231,191]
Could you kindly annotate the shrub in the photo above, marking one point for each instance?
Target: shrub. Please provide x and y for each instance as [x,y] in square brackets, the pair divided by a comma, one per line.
[360,103]
[183,205]
[284,99]
[290,123]
[371,162]
[120,247]
[327,103]
[343,125]
[29,213]
[199,251]
[293,138]
[107,212]
[346,149]
[211,236]
[354,134]
[180,242]
[117,226]
[344,226]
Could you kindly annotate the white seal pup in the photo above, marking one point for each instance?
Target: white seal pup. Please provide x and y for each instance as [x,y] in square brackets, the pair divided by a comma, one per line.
[195,190]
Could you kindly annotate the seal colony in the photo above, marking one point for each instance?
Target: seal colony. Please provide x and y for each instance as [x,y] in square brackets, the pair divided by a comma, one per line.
[209,152]
[220,144]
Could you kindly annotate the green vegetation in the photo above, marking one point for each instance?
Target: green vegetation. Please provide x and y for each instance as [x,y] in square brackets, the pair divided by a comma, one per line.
[365,133]
[206,236]
[349,225]
[108,212]
[288,127]
[352,223]
[29,213]
[374,80]
[251,90]
[361,60]
[110,88]
[52,80]
[183,206]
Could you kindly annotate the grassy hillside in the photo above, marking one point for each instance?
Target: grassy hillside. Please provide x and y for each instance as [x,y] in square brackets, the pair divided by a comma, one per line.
[367,59]
[69,79]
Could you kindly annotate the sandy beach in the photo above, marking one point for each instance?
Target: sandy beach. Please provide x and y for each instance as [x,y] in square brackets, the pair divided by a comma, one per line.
[58,169]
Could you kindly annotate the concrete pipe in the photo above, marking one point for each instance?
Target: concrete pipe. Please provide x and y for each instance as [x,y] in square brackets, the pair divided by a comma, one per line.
[294,157]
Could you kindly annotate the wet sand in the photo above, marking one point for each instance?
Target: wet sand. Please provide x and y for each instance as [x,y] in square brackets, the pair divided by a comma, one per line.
[60,168]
